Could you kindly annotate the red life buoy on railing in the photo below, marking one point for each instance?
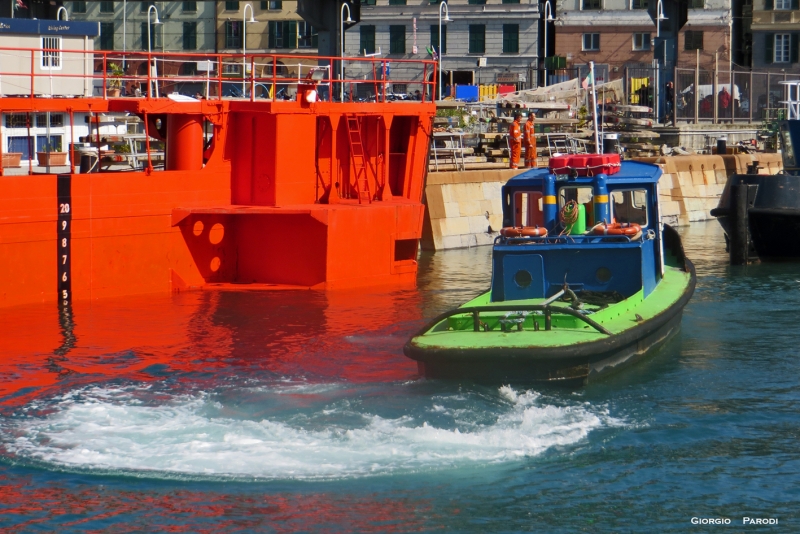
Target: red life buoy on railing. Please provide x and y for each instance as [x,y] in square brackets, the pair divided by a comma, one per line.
[626,229]
[523,231]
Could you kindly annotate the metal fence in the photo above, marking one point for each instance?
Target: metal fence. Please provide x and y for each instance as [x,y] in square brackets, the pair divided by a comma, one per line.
[707,96]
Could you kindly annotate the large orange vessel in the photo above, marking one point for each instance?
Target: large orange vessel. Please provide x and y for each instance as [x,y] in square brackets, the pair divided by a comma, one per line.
[313,192]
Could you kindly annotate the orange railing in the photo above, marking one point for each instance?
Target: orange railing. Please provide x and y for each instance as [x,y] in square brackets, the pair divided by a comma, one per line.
[32,72]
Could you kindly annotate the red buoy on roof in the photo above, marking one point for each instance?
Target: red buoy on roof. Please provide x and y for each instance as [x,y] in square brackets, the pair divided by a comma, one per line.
[585,164]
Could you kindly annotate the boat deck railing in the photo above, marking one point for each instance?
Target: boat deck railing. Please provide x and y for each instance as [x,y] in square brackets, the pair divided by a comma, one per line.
[577,239]
[547,311]
[45,73]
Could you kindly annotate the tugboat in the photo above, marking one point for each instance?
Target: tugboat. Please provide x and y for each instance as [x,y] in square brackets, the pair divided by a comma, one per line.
[586,280]
[761,213]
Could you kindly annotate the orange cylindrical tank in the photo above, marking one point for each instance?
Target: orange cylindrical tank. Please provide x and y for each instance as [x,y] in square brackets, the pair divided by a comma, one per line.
[184,142]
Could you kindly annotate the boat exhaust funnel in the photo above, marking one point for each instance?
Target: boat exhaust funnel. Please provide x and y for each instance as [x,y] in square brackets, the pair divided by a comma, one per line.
[184,142]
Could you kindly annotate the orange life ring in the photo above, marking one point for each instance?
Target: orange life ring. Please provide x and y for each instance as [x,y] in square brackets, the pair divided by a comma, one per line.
[523,231]
[626,229]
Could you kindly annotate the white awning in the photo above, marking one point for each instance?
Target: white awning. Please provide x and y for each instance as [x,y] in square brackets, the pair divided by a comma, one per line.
[708,17]
[606,17]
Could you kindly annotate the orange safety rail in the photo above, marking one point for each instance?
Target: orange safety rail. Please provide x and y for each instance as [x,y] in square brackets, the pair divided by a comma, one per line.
[168,69]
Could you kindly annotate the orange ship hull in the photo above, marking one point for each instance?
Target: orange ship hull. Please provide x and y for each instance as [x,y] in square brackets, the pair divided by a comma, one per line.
[305,194]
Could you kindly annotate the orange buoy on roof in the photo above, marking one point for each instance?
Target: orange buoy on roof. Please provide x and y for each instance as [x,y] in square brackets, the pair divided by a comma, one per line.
[585,164]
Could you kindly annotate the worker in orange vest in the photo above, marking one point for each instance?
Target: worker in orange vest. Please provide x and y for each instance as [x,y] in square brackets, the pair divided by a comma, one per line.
[530,142]
[515,141]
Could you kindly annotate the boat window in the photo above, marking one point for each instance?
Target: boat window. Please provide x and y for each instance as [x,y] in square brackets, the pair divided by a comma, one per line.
[787,148]
[528,208]
[581,195]
[629,206]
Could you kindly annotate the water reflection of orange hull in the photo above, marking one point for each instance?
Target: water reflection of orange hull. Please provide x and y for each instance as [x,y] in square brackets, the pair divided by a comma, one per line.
[302,334]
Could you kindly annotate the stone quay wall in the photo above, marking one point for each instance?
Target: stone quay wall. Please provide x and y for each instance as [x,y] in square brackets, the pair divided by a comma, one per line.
[464,209]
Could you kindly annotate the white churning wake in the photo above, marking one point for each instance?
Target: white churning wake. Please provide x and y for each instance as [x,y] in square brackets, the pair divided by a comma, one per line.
[110,429]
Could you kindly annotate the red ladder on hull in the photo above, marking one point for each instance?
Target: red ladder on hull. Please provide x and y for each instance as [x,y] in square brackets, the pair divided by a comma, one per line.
[358,158]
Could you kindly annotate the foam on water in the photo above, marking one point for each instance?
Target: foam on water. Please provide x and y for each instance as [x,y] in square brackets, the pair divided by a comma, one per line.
[120,429]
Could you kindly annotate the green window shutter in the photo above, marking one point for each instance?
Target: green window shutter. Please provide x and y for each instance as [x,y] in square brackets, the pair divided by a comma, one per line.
[435,38]
[769,47]
[397,39]
[106,36]
[769,4]
[272,28]
[190,36]
[477,38]
[794,51]
[367,34]
[510,38]
[795,4]
[290,34]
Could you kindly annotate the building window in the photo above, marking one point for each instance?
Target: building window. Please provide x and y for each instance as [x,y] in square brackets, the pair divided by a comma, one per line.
[511,1]
[273,5]
[782,5]
[56,120]
[511,38]
[106,36]
[282,34]
[190,36]
[231,6]
[697,4]
[307,35]
[477,2]
[435,38]
[367,41]
[16,120]
[144,7]
[397,39]
[397,2]
[106,7]
[189,68]
[155,36]
[233,34]
[782,47]
[477,38]
[369,2]
[51,59]
[79,7]
[641,41]
[640,4]
[591,41]
[693,40]
[190,7]
[592,4]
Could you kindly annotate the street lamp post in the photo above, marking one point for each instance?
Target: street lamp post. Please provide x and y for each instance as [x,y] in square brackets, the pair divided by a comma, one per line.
[442,6]
[341,47]
[548,17]
[124,31]
[150,49]
[659,17]
[58,13]
[245,22]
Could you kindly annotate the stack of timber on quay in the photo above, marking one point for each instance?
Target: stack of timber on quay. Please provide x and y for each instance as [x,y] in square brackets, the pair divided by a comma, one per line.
[464,208]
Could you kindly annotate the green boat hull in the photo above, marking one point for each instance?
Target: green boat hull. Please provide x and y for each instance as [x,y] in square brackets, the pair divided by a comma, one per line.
[572,352]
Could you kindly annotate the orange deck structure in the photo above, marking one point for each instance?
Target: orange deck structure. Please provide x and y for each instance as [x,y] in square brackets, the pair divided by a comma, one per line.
[255,193]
